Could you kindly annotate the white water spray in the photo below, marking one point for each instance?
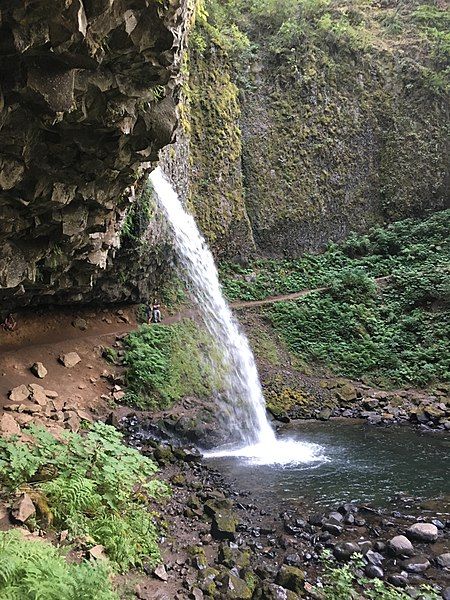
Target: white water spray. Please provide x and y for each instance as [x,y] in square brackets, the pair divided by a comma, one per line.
[245,405]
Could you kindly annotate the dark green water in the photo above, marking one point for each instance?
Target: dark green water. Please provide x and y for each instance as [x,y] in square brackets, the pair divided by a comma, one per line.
[361,463]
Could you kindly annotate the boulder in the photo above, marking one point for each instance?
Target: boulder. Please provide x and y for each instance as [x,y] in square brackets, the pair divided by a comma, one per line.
[223,525]
[51,394]
[374,571]
[423,532]
[70,359]
[291,578]
[9,426]
[416,564]
[39,370]
[345,550]
[443,560]
[19,394]
[98,552]
[23,508]
[400,546]
[347,393]
[325,414]
[272,591]
[236,588]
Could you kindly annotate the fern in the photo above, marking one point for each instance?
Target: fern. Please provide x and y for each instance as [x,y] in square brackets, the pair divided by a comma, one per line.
[35,570]
[98,490]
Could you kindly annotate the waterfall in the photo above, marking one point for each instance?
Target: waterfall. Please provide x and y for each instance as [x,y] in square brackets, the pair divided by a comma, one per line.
[245,406]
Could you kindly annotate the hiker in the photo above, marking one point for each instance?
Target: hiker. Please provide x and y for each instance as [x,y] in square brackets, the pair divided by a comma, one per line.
[9,324]
[156,311]
[148,313]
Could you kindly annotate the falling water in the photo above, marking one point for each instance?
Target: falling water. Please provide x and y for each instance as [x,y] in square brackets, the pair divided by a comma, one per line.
[245,402]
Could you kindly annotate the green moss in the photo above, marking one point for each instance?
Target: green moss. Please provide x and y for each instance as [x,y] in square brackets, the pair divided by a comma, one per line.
[168,362]
[309,118]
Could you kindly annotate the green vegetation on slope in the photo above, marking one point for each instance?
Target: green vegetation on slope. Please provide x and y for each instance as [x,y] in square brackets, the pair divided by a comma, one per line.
[394,333]
[34,569]
[168,362]
[408,245]
[92,485]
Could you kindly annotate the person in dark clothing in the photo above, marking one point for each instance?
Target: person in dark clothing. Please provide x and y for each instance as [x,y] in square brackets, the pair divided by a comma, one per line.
[156,311]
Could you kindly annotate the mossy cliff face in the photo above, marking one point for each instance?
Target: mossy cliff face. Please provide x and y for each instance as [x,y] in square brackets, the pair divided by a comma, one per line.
[338,122]
[206,161]
[87,99]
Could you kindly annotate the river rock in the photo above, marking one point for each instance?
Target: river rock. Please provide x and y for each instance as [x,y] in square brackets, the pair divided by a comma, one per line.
[223,525]
[398,580]
[291,578]
[423,532]
[19,394]
[401,546]
[332,527]
[345,550]
[416,564]
[374,558]
[39,370]
[23,508]
[374,571]
[236,588]
[70,359]
[443,560]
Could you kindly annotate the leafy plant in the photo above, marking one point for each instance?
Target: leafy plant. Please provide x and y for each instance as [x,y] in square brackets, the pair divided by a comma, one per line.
[35,570]
[93,485]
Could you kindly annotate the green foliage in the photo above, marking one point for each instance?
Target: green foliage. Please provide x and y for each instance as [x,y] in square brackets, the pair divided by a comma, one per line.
[167,362]
[99,488]
[394,333]
[138,218]
[412,244]
[35,570]
[345,582]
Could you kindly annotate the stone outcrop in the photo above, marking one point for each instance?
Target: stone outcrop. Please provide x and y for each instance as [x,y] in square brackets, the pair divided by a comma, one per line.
[88,97]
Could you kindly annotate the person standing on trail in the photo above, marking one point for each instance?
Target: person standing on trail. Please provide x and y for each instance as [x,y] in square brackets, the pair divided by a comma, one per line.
[156,311]
[148,313]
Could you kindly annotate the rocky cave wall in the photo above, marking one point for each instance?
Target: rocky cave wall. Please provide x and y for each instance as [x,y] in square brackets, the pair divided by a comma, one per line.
[88,97]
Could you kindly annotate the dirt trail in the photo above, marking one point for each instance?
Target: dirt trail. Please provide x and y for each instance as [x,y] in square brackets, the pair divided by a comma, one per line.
[44,335]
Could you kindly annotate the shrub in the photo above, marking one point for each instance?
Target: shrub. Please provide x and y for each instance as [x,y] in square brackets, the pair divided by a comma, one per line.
[33,570]
[92,485]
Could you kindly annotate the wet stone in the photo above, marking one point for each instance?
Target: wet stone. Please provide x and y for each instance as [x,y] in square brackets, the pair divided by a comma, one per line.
[345,550]
[374,571]
[423,532]
[416,564]
[443,560]
[400,545]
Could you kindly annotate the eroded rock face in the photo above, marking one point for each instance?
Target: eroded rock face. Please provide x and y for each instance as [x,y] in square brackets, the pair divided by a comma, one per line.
[87,99]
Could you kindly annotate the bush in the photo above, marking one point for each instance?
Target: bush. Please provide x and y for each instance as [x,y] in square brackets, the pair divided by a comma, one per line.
[92,485]
[31,570]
